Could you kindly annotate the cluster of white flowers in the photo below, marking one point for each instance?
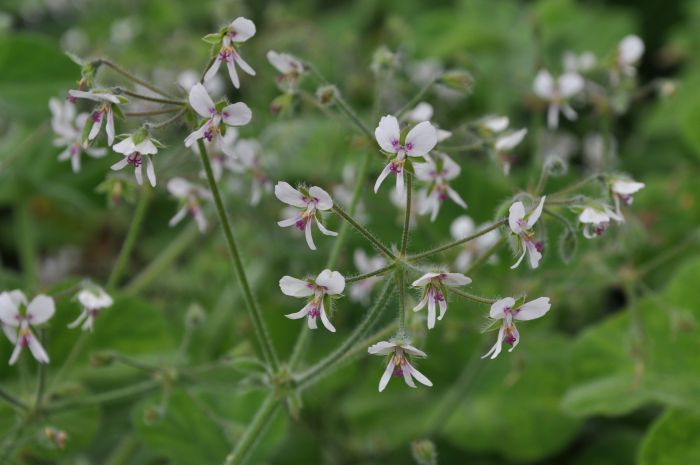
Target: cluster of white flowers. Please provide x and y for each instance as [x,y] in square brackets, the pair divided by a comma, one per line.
[19,317]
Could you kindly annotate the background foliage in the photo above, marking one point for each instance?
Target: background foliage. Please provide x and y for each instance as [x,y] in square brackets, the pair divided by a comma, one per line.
[612,376]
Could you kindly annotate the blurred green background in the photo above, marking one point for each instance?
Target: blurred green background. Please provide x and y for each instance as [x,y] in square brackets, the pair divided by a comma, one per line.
[611,376]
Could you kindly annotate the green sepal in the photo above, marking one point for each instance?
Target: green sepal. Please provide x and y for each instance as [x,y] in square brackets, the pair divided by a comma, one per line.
[118,112]
[214,38]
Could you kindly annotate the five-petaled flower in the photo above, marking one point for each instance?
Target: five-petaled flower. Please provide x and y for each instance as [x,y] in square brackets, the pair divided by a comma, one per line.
[508,309]
[235,114]
[190,197]
[240,30]
[34,313]
[621,190]
[360,291]
[521,225]
[433,285]
[136,148]
[310,202]
[94,299]
[327,283]
[558,92]
[437,171]
[419,141]
[596,219]
[102,112]
[399,364]
[289,66]
[69,129]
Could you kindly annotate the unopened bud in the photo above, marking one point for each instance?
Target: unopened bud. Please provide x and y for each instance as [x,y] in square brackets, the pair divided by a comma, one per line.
[668,88]
[57,437]
[101,359]
[382,59]
[326,94]
[195,316]
[424,452]
[458,79]
[555,166]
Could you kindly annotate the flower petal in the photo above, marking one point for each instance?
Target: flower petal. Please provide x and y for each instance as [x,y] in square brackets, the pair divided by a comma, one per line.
[287,194]
[40,309]
[387,133]
[236,114]
[200,101]
[533,309]
[498,308]
[295,287]
[421,139]
[242,29]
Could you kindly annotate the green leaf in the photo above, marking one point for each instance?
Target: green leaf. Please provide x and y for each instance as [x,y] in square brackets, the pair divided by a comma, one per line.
[672,440]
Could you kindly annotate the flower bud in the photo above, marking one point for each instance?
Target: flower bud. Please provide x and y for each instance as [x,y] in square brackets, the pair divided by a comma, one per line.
[101,359]
[667,88]
[56,436]
[458,79]
[326,94]
[383,59]
[195,316]
[424,452]
[555,166]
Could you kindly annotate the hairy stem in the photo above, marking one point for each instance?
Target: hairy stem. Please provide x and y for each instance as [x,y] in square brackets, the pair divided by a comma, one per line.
[152,112]
[264,339]
[252,434]
[166,101]
[456,243]
[12,399]
[407,215]
[376,272]
[26,246]
[485,256]
[130,240]
[575,186]
[414,101]
[104,397]
[472,297]
[400,283]
[130,76]
[167,122]
[362,230]
[41,377]
[308,377]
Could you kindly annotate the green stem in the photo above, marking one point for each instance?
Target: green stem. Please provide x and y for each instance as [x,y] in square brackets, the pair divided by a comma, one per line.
[667,255]
[130,76]
[485,256]
[26,244]
[152,112]
[400,277]
[130,240]
[362,230]
[472,297]
[414,101]
[254,311]
[70,359]
[163,260]
[12,399]
[41,378]
[308,377]
[166,101]
[575,186]
[255,429]
[407,215]
[126,447]
[167,122]
[376,272]
[104,397]
[454,244]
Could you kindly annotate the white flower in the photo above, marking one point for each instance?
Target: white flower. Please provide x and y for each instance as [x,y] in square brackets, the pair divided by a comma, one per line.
[399,364]
[239,31]
[189,196]
[309,204]
[327,283]
[422,112]
[69,130]
[596,220]
[360,291]
[190,77]
[419,142]
[433,285]
[579,63]
[622,190]
[236,114]
[629,52]
[94,299]
[503,141]
[521,225]
[37,312]
[135,148]
[101,113]
[508,310]
[245,158]
[463,226]
[437,172]
[289,66]
[557,92]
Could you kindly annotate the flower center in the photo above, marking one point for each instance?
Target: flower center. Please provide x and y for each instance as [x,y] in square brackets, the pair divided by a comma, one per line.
[134,159]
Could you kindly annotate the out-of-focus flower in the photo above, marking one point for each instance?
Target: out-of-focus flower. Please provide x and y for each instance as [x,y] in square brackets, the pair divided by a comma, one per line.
[433,285]
[360,291]
[190,197]
[419,141]
[596,219]
[558,92]
[463,226]
[327,283]
[102,112]
[235,114]
[245,158]
[20,316]
[189,77]
[69,130]
[93,299]
[579,63]
[289,67]
[424,112]
[309,204]
[521,224]
[437,172]
[629,52]
[239,31]
[399,364]
[495,129]
[508,310]
[622,191]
